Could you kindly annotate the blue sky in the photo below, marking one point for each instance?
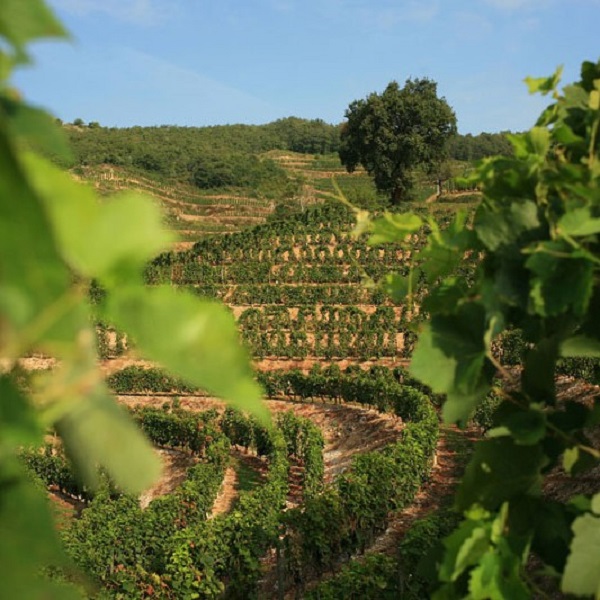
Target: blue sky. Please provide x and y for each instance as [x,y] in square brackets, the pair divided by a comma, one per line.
[209,62]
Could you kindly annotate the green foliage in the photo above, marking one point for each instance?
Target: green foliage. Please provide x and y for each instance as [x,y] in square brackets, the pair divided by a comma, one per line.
[392,133]
[213,171]
[475,147]
[55,238]
[535,234]
[305,442]
[171,549]
[372,578]
[407,576]
[141,380]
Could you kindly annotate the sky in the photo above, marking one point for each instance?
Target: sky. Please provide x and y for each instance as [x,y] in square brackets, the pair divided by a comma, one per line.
[213,62]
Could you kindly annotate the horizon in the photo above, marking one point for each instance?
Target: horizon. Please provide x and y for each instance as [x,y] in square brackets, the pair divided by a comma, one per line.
[153,63]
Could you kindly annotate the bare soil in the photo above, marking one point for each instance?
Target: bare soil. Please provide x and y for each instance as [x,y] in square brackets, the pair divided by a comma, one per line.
[175,467]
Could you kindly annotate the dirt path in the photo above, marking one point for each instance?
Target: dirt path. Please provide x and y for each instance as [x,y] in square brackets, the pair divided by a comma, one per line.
[175,467]
[227,494]
[450,458]
[347,430]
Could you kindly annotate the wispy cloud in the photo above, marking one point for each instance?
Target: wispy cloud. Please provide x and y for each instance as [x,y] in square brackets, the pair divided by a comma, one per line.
[283,5]
[139,12]
[514,5]
[177,94]
[383,14]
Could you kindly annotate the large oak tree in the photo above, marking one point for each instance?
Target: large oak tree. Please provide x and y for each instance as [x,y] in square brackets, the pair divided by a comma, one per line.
[390,134]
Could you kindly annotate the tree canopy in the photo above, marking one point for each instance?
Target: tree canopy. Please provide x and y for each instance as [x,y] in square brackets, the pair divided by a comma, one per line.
[390,134]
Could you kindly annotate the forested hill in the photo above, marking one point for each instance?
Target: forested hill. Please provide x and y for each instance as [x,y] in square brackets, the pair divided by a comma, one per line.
[170,150]
[226,178]
[173,151]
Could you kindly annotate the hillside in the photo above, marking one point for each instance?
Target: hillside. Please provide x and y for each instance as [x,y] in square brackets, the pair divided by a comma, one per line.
[296,288]
[215,180]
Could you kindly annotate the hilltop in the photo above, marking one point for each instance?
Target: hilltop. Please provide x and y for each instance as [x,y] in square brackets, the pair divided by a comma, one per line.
[215,180]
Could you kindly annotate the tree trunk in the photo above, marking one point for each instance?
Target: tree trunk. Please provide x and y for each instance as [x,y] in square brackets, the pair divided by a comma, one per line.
[396,196]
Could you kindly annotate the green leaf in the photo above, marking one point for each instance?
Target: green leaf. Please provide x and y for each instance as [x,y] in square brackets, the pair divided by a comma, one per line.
[499,470]
[18,423]
[580,503]
[582,571]
[440,260]
[570,458]
[24,21]
[539,138]
[394,227]
[464,547]
[104,245]
[98,432]
[445,250]
[36,127]
[579,221]
[396,286]
[561,281]
[497,578]
[551,522]
[544,85]
[503,227]
[446,297]
[565,135]
[576,461]
[28,541]
[526,427]
[580,345]
[595,505]
[364,223]
[450,357]
[194,339]
[32,276]
[537,377]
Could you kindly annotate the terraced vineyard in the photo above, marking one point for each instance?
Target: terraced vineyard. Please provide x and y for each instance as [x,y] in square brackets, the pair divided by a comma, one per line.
[190,213]
[351,464]
[296,290]
[193,213]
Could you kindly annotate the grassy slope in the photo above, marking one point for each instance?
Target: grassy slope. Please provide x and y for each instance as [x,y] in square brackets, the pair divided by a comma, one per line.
[194,213]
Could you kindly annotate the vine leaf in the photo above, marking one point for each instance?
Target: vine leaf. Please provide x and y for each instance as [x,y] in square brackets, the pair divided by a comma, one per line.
[17,420]
[579,222]
[32,276]
[502,227]
[104,245]
[397,286]
[497,577]
[446,249]
[499,470]
[526,427]
[582,571]
[580,345]
[96,431]
[465,547]
[36,126]
[21,22]
[562,280]
[544,85]
[393,227]
[450,357]
[28,541]
[194,339]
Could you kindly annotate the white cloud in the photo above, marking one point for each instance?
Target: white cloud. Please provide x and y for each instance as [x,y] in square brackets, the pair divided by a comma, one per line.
[139,12]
